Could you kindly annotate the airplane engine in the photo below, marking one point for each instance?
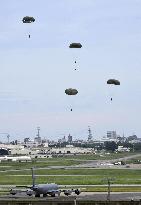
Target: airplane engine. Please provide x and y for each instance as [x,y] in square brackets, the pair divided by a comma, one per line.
[67,192]
[13,192]
[77,191]
[29,192]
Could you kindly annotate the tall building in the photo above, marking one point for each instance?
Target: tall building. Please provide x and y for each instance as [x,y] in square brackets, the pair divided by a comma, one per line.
[26,140]
[111,135]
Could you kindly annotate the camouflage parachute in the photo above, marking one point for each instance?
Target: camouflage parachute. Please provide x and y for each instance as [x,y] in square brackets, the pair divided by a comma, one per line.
[28,19]
[71,91]
[75,45]
[113,81]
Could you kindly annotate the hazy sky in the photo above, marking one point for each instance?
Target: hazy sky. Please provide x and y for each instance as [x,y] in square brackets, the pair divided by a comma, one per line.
[35,72]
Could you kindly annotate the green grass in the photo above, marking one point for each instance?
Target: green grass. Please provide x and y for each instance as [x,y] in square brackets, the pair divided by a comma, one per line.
[113,189]
[60,161]
[42,164]
[91,176]
[65,180]
[94,172]
[98,156]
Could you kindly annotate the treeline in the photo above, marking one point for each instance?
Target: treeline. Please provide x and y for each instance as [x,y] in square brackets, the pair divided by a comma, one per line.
[108,146]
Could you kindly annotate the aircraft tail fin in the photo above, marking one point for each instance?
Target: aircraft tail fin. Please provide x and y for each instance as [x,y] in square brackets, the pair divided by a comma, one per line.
[33,177]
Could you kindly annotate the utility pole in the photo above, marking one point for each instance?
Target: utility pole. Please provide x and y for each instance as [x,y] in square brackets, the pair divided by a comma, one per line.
[75,201]
[109,189]
[109,181]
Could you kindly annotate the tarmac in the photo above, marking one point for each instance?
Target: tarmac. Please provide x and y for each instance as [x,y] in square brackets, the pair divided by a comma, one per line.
[92,196]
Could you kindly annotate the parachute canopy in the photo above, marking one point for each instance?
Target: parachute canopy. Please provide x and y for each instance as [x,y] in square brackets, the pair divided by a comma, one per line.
[71,91]
[28,19]
[113,81]
[75,45]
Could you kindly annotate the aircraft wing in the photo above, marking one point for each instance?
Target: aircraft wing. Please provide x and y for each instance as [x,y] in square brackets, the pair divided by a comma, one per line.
[53,191]
[23,186]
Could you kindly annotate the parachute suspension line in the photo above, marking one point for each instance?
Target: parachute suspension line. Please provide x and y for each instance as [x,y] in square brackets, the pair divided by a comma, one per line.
[71,91]
[113,82]
[28,20]
[75,65]
[75,46]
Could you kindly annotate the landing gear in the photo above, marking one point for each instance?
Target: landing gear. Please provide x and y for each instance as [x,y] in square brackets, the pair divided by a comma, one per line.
[71,109]
[28,36]
[53,195]
[59,193]
[37,195]
[77,192]
[111,99]
[44,195]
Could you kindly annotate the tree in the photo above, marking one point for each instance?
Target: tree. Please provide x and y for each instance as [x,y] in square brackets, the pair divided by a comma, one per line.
[110,146]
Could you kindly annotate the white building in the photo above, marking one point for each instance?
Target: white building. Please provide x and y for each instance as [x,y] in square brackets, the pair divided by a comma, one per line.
[71,150]
[24,151]
[15,159]
[123,149]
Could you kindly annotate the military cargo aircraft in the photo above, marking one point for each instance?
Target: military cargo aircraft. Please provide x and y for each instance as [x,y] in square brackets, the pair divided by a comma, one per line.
[51,189]
[45,189]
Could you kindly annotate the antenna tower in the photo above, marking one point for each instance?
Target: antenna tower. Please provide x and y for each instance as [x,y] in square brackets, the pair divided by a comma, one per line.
[8,136]
[90,134]
[38,132]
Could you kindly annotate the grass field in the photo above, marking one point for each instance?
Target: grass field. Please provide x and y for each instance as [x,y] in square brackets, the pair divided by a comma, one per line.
[61,161]
[90,177]
[45,163]
[94,172]
[99,156]
[16,174]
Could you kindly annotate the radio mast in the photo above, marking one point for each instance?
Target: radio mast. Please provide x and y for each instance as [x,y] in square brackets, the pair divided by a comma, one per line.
[90,134]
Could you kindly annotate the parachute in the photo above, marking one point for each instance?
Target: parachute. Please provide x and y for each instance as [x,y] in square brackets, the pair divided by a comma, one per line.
[113,82]
[75,45]
[71,91]
[28,19]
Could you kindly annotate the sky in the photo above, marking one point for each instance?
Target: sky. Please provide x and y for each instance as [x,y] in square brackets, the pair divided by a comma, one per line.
[35,72]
